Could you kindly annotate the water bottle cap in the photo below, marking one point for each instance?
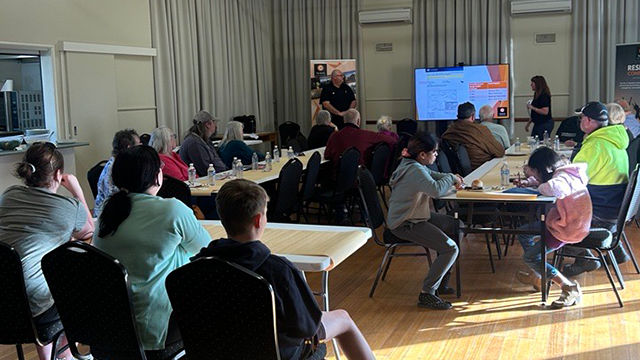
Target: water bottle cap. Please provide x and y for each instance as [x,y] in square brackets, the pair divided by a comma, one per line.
[190,164]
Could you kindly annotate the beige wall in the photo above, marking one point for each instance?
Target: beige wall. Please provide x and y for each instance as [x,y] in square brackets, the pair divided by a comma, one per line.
[106,92]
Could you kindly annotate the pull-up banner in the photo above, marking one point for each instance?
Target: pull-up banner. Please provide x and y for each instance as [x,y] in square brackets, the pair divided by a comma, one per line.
[628,75]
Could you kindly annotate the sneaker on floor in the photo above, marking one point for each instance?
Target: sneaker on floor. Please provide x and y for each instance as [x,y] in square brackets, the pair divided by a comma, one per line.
[530,278]
[430,301]
[443,288]
[573,270]
[570,296]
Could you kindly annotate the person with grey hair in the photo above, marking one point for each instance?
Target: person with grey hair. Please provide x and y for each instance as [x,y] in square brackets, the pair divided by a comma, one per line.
[384,127]
[321,131]
[337,97]
[164,141]
[499,132]
[617,117]
[197,148]
[233,145]
[630,120]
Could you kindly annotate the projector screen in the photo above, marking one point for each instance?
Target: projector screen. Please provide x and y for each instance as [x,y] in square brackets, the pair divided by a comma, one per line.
[439,91]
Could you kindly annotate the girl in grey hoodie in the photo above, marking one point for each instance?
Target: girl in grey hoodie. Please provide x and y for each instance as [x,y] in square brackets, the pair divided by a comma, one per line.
[410,217]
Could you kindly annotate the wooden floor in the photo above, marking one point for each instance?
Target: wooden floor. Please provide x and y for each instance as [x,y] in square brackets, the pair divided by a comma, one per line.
[496,317]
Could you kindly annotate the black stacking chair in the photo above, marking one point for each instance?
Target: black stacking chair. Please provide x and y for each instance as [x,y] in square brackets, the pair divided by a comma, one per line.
[92,293]
[602,241]
[402,143]
[295,145]
[464,161]
[16,321]
[174,188]
[286,200]
[93,176]
[378,168]
[224,311]
[288,130]
[407,125]
[374,218]
[144,139]
[302,140]
[632,151]
[344,183]
[309,184]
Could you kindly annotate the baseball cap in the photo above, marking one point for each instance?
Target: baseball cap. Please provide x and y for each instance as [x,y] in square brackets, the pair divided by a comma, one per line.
[203,116]
[594,110]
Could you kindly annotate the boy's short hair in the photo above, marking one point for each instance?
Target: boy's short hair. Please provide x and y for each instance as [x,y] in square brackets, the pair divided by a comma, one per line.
[238,202]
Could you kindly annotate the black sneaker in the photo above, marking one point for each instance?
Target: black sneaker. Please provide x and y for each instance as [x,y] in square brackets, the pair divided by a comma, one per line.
[444,288]
[430,301]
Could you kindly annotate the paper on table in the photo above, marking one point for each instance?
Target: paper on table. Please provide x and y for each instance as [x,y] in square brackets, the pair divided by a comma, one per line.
[335,245]
[465,194]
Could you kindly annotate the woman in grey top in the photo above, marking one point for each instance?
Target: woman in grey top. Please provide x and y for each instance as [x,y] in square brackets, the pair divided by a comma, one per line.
[34,220]
[197,148]
[411,219]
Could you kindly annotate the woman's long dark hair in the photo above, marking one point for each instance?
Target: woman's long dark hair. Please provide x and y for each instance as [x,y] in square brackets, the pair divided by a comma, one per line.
[419,142]
[541,86]
[134,171]
[545,161]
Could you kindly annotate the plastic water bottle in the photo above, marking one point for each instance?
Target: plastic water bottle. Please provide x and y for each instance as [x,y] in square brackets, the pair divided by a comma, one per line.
[254,161]
[545,138]
[268,162]
[504,174]
[234,167]
[276,154]
[240,171]
[537,142]
[211,174]
[192,174]
[556,143]
[290,153]
[517,145]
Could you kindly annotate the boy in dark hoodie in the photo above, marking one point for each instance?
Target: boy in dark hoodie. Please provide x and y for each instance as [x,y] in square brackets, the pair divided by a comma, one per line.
[242,206]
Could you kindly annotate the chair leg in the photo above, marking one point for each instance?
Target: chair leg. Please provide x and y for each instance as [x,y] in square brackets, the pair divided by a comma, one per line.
[613,284]
[637,223]
[630,251]
[428,253]
[20,351]
[382,195]
[498,249]
[616,268]
[386,269]
[54,346]
[493,268]
[375,282]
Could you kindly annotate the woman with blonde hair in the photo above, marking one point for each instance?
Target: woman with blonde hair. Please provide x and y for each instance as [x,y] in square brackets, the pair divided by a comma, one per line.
[233,145]
[617,116]
[384,127]
[164,141]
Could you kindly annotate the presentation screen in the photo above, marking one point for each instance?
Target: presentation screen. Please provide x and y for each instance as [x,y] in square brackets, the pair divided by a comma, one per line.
[439,91]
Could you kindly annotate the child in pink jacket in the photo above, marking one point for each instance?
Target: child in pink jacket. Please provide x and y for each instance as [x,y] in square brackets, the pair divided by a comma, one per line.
[568,222]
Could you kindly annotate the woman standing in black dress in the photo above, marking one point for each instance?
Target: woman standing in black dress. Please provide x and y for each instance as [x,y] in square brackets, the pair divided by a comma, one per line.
[540,108]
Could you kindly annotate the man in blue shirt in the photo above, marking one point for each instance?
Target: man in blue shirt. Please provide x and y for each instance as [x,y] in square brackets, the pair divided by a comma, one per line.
[630,120]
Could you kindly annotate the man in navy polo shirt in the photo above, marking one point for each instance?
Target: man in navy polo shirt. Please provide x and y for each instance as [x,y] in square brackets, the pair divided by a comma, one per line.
[337,97]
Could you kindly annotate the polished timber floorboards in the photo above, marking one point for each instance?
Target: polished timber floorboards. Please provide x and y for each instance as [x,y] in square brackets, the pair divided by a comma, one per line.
[496,317]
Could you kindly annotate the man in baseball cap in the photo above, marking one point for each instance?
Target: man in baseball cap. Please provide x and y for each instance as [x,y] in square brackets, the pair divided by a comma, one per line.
[604,152]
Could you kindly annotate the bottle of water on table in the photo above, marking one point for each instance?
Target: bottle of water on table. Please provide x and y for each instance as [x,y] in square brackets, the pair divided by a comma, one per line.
[504,174]
[517,145]
[254,161]
[234,167]
[211,175]
[268,162]
[192,174]
[545,139]
[276,154]
[240,170]
[290,153]
[556,143]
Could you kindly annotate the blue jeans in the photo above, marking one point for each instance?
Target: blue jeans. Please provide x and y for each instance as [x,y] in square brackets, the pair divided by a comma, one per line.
[532,249]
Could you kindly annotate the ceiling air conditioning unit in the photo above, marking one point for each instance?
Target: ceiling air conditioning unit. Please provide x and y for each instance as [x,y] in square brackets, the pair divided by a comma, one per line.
[532,7]
[385,16]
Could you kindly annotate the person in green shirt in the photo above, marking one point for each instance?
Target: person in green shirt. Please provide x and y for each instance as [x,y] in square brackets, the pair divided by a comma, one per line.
[151,237]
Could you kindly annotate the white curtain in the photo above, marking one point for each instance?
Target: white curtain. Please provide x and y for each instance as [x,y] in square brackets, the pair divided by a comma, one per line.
[447,32]
[597,26]
[212,55]
[305,30]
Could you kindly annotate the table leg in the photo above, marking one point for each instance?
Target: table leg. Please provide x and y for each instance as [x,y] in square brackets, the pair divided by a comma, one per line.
[543,252]
[456,233]
[325,305]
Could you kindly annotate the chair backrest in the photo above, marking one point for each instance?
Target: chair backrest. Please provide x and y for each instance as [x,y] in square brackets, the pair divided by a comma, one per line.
[347,169]
[632,151]
[145,138]
[403,141]
[248,123]
[288,189]
[302,140]
[288,130]
[224,311]
[174,188]
[295,145]
[93,176]
[407,125]
[311,177]
[16,322]
[92,294]
[569,129]
[452,157]
[628,208]
[378,164]
[443,163]
[464,161]
[372,211]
